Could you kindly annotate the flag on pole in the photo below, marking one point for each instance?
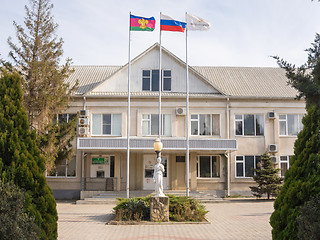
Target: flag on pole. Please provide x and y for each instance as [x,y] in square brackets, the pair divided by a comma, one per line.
[141,23]
[169,24]
[195,23]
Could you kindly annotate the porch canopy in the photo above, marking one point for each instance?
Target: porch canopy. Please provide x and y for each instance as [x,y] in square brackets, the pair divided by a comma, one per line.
[137,143]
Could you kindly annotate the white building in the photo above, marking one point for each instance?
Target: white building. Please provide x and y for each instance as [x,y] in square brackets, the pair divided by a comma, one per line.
[236,114]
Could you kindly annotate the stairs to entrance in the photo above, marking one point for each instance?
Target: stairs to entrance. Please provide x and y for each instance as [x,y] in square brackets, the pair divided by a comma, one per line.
[108,197]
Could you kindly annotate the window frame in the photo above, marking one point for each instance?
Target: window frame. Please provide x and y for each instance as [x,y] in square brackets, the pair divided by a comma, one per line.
[101,127]
[150,124]
[300,124]
[198,124]
[242,120]
[243,161]
[163,79]
[287,161]
[66,170]
[218,159]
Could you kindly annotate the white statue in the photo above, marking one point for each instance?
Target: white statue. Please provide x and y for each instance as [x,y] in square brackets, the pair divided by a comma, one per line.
[158,178]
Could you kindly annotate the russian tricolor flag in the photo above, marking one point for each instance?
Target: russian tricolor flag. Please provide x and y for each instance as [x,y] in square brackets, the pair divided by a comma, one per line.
[169,24]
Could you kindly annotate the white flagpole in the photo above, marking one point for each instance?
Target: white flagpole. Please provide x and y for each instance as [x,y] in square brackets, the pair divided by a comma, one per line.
[160,80]
[187,113]
[128,117]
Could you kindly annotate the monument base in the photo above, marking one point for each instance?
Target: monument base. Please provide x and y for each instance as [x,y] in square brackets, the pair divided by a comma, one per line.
[159,209]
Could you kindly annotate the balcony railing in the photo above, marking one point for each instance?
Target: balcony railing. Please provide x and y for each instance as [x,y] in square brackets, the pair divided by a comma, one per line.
[147,143]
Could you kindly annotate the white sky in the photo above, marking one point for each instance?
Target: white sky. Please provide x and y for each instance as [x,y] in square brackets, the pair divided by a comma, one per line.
[243,33]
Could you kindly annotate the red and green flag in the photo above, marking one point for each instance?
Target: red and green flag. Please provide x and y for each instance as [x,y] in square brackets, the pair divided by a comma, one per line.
[141,23]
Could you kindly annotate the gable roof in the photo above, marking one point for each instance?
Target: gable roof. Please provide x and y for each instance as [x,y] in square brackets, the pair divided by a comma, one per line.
[244,82]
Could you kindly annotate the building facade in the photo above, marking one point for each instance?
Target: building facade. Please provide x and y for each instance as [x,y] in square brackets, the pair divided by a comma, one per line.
[235,115]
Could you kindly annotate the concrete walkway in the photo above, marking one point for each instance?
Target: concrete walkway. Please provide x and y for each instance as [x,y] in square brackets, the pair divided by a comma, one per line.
[229,220]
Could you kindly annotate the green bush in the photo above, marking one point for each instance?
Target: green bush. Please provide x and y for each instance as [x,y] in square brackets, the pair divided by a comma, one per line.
[14,222]
[181,209]
[20,157]
[309,220]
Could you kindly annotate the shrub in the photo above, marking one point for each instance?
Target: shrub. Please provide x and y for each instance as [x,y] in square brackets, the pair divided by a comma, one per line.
[309,220]
[14,222]
[181,209]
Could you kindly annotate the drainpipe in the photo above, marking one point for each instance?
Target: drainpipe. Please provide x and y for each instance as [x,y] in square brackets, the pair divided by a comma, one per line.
[84,103]
[228,153]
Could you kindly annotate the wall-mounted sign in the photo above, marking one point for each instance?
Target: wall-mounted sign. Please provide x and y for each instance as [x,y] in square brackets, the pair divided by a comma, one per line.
[98,160]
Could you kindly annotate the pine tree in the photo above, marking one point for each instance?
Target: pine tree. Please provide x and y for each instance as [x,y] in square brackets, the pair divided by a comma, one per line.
[37,55]
[302,180]
[20,158]
[267,178]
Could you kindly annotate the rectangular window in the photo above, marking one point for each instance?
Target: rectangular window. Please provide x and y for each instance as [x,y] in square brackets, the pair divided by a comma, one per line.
[64,169]
[245,165]
[208,167]
[249,125]
[290,124]
[205,124]
[106,124]
[65,117]
[284,164]
[150,80]
[150,125]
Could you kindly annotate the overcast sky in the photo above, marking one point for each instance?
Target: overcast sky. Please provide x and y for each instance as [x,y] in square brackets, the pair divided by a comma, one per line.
[243,32]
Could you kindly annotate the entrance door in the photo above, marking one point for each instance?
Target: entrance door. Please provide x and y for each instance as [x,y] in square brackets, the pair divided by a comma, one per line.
[180,172]
[149,161]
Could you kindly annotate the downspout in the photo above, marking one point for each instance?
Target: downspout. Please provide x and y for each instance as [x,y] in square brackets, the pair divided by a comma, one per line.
[84,103]
[228,153]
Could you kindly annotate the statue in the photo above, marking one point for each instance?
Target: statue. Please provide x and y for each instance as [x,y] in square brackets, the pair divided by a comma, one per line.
[158,178]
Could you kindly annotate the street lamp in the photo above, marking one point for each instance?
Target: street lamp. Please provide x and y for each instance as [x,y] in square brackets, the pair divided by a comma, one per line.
[157,146]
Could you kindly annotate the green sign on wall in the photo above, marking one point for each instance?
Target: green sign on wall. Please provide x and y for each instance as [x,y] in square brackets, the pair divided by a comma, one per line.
[100,160]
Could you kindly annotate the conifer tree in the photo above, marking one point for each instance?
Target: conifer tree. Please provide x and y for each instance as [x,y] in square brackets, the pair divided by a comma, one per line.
[20,158]
[302,180]
[267,178]
[38,55]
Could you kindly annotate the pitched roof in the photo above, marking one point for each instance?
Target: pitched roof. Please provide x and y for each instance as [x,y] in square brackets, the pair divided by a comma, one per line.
[249,81]
[89,77]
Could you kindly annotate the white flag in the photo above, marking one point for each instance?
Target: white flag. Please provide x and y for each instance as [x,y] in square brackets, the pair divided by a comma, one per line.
[195,23]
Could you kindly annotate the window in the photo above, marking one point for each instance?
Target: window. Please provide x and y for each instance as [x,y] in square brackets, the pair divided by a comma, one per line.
[65,118]
[106,124]
[64,169]
[249,125]
[208,167]
[284,164]
[150,80]
[205,124]
[150,124]
[245,165]
[290,124]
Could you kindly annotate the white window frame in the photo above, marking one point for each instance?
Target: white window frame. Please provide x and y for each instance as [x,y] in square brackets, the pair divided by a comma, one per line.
[284,159]
[66,170]
[68,116]
[150,125]
[243,161]
[198,166]
[101,127]
[198,120]
[300,124]
[242,125]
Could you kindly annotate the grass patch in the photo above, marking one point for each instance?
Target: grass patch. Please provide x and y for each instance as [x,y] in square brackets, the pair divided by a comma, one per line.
[181,209]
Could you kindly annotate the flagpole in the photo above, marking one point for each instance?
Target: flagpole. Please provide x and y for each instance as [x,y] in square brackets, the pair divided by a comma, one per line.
[128,113]
[187,113]
[160,81]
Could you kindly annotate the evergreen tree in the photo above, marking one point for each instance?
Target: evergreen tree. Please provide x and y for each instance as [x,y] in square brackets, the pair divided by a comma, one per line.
[302,180]
[37,55]
[267,178]
[20,158]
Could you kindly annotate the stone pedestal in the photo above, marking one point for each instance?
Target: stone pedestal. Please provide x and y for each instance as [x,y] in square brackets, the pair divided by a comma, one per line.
[159,209]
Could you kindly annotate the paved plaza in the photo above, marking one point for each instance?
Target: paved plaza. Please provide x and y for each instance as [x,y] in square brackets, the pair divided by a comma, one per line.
[228,220]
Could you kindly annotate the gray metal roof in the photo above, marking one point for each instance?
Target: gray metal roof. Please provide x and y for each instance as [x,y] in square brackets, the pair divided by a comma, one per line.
[249,81]
[90,76]
[234,81]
